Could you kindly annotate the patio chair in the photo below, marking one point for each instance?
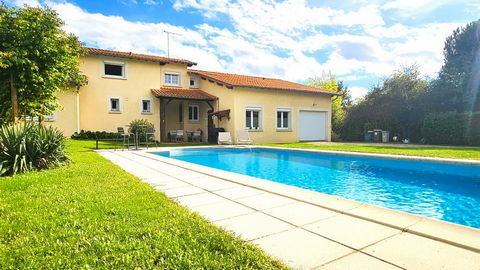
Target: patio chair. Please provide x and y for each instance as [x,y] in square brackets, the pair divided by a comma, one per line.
[173,135]
[197,136]
[180,136]
[243,137]
[224,138]
[149,132]
[125,136]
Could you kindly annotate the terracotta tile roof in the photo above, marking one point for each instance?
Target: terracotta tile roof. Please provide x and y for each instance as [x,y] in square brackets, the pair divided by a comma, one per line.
[182,93]
[138,56]
[237,80]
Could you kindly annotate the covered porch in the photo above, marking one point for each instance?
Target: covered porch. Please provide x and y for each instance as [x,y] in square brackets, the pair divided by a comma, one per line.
[184,114]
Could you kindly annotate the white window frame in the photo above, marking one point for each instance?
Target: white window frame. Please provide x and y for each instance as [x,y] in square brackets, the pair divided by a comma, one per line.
[141,105]
[109,105]
[170,83]
[198,112]
[260,118]
[124,69]
[50,118]
[289,120]
[195,82]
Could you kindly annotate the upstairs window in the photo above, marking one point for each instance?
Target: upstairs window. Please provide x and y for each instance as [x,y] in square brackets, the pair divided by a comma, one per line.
[193,112]
[114,69]
[253,118]
[172,79]
[193,83]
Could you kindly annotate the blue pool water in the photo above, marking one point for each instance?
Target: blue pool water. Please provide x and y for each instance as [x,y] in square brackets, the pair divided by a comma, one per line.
[444,191]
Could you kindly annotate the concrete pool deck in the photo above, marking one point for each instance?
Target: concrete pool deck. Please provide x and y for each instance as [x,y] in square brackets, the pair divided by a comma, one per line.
[307,229]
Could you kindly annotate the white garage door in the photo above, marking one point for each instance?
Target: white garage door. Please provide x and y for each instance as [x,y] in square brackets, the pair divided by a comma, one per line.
[312,126]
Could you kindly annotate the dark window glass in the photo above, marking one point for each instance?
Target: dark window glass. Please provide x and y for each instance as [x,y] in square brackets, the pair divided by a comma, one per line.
[146,105]
[285,119]
[180,112]
[113,70]
[193,113]
[255,119]
[192,82]
[279,119]
[114,104]
[249,119]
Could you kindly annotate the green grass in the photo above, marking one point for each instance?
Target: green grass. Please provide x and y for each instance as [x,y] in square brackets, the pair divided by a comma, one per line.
[439,152]
[92,214]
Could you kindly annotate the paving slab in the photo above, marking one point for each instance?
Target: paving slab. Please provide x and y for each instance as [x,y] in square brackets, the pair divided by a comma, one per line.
[212,184]
[358,261]
[301,249]
[200,199]
[264,225]
[300,213]
[353,232]
[265,201]
[238,192]
[181,191]
[223,210]
[415,252]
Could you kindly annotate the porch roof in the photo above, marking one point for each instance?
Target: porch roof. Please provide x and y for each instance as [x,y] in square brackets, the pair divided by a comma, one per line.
[182,93]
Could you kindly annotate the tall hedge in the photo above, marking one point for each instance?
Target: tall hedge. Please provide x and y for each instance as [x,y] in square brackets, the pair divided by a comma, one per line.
[452,128]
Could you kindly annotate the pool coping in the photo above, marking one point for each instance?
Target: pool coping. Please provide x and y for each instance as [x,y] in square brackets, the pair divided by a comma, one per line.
[439,230]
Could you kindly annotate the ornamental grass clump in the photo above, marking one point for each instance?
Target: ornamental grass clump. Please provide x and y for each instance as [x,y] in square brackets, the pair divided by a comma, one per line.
[30,146]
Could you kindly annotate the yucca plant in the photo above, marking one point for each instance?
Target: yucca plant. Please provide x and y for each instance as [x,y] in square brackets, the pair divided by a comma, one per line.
[30,146]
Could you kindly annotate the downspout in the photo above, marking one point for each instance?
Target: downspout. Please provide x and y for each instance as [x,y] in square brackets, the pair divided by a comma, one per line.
[77,102]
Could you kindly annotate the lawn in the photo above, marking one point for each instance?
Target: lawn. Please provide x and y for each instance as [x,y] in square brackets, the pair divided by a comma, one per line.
[439,152]
[92,214]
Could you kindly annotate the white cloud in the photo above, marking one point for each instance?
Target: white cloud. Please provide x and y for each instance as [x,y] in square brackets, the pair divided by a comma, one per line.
[278,39]
[357,92]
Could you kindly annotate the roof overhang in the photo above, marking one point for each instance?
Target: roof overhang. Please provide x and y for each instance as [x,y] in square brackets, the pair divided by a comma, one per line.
[183,94]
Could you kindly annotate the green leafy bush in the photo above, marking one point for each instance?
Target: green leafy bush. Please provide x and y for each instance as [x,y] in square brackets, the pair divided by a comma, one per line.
[140,126]
[452,128]
[93,135]
[25,147]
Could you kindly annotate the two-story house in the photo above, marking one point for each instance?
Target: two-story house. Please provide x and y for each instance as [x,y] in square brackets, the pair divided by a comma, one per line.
[123,86]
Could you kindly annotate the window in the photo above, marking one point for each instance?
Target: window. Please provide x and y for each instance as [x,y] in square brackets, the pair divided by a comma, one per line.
[193,83]
[193,112]
[180,112]
[114,105]
[253,118]
[283,119]
[146,106]
[50,118]
[114,69]
[172,79]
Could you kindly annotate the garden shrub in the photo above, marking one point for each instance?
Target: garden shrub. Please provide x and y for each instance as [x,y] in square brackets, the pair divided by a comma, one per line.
[452,128]
[93,135]
[140,126]
[30,146]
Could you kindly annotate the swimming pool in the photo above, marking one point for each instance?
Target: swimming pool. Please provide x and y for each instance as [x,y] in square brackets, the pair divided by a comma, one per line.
[444,191]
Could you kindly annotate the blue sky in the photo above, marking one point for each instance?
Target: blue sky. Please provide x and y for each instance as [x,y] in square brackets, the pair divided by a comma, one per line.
[358,41]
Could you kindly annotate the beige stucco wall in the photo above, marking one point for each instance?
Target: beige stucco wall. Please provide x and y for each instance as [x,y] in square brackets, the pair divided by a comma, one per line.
[65,117]
[141,77]
[271,100]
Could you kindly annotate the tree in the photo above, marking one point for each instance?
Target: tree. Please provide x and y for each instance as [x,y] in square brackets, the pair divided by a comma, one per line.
[38,59]
[395,105]
[339,102]
[458,84]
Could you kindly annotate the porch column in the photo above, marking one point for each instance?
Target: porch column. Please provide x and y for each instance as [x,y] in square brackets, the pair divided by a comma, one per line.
[163,132]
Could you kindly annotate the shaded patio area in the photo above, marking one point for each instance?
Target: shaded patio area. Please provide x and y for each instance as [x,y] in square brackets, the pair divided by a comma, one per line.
[184,114]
